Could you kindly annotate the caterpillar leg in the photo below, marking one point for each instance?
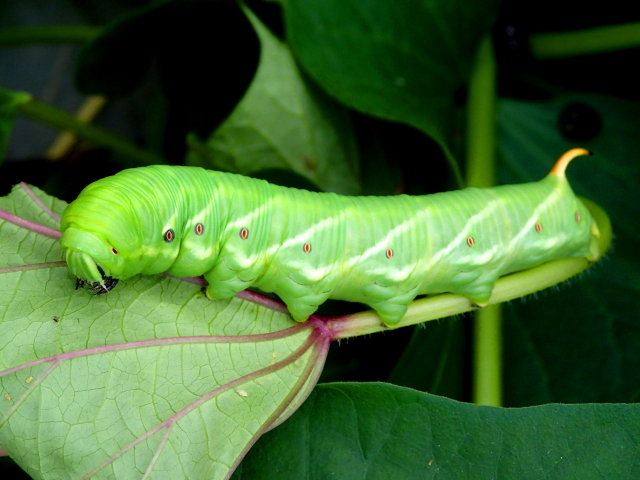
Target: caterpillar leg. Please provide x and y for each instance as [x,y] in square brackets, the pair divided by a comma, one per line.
[302,296]
[218,291]
[594,248]
[300,311]
[390,312]
[303,305]
[389,301]
[223,283]
[479,294]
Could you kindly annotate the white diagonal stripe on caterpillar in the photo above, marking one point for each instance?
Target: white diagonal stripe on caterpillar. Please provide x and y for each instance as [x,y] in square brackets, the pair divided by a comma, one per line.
[306,235]
[249,217]
[384,243]
[464,233]
[271,250]
[530,224]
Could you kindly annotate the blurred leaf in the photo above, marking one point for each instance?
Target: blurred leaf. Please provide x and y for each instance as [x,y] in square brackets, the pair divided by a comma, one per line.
[116,61]
[126,384]
[580,343]
[402,61]
[205,52]
[378,431]
[284,121]
[9,102]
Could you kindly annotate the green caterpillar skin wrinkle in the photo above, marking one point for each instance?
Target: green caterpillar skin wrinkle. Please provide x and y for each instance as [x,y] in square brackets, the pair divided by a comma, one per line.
[307,247]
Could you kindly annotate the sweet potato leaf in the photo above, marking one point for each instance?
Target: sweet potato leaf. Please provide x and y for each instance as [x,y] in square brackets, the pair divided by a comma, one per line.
[123,383]
[154,379]
[283,121]
[402,61]
[380,431]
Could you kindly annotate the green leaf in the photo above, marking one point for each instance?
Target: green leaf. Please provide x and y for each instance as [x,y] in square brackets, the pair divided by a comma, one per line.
[284,121]
[9,102]
[152,377]
[379,431]
[581,342]
[402,61]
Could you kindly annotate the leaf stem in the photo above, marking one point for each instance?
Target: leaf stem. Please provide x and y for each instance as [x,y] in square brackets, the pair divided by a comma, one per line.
[546,46]
[51,34]
[29,225]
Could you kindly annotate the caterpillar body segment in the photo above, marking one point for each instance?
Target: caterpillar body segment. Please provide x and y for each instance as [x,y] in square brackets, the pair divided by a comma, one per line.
[308,247]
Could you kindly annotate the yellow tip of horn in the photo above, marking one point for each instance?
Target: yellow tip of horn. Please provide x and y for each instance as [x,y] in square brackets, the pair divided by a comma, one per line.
[562,163]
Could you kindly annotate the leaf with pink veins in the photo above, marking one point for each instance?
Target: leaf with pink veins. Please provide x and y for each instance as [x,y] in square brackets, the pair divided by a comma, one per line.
[152,379]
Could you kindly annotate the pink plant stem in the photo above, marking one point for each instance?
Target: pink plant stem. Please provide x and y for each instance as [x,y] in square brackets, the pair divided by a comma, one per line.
[39,202]
[29,225]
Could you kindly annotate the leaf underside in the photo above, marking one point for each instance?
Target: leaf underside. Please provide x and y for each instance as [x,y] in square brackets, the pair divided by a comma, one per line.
[151,378]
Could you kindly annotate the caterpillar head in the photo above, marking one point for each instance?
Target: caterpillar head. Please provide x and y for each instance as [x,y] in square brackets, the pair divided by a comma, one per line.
[99,240]
[121,226]
[91,259]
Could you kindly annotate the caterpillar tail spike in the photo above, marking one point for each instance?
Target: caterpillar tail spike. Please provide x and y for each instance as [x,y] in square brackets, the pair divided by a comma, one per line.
[565,159]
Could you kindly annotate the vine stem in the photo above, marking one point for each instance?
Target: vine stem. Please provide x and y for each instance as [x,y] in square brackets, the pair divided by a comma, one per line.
[481,147]
[47,34]
[61,120]
[546,46]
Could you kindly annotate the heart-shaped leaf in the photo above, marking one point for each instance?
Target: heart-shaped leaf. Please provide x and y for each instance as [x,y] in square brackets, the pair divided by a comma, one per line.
[124,383]
[154,379]
[402,61]
[379,431]
[283,121]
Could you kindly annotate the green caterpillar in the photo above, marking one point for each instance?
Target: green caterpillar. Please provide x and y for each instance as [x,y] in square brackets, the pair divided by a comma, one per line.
[307,247]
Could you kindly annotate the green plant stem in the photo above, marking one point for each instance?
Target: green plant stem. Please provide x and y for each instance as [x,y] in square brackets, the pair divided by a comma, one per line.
[545,46]
[62,120]
[49,35]
[481,143]
[487,356]
[506,288]
[481,125]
